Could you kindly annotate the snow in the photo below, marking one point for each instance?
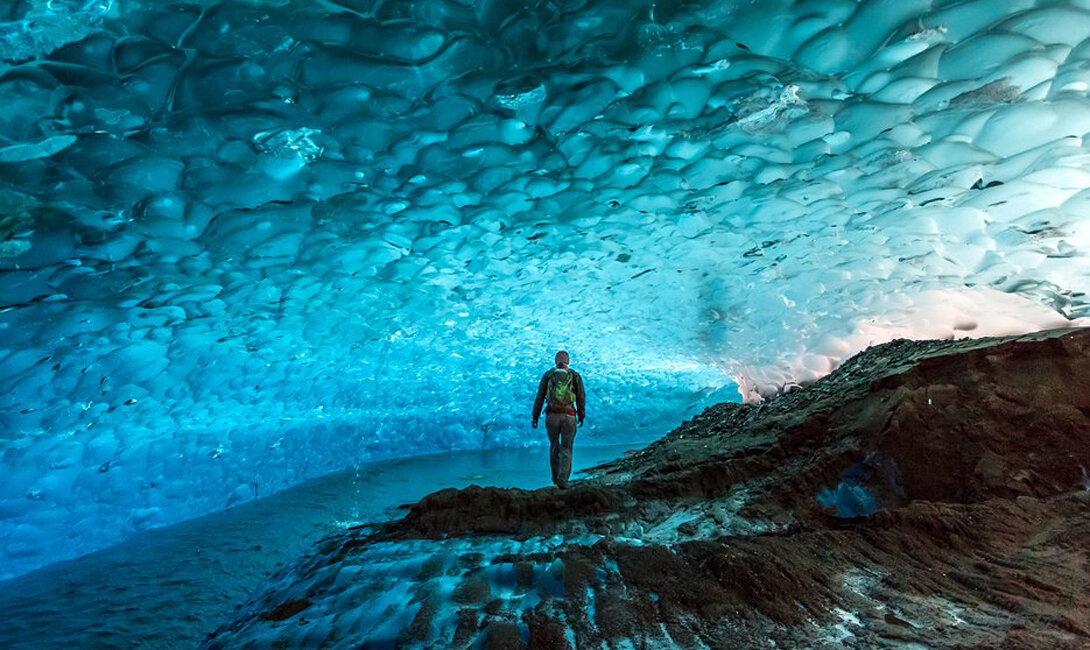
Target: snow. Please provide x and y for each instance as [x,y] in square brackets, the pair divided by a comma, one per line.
[246,247]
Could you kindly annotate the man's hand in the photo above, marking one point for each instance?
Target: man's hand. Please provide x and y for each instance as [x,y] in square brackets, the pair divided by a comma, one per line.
[534,424]
[580,421]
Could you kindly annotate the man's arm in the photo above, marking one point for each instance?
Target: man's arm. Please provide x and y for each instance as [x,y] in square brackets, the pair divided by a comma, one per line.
[580,398]
[539,401]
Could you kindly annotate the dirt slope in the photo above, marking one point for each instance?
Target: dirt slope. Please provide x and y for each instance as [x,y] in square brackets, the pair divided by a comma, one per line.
[931,493]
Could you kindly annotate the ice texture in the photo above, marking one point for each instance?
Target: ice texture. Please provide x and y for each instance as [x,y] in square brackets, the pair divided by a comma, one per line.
[246,243]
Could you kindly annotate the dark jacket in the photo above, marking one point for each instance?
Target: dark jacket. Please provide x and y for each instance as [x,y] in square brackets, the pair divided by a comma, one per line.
[543,388]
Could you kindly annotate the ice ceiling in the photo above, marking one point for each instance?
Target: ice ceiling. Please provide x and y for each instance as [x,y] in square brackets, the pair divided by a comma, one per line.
[246,243]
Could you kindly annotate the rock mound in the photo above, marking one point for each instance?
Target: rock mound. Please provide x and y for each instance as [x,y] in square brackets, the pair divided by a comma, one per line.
[931,493]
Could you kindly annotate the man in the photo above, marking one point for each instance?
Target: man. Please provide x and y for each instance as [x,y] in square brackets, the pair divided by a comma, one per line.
[561,391]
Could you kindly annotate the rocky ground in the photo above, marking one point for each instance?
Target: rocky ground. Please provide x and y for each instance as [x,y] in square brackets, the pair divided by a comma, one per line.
[925,495]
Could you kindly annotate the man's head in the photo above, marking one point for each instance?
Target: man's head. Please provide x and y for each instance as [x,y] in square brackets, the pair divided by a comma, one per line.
[562,359]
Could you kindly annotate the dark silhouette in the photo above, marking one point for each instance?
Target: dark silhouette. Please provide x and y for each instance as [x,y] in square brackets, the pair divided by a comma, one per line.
[561,393]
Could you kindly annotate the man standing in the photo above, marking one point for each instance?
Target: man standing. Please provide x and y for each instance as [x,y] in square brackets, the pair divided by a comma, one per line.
[561,391]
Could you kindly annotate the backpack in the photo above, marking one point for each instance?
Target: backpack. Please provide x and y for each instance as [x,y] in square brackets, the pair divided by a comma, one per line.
[561,390]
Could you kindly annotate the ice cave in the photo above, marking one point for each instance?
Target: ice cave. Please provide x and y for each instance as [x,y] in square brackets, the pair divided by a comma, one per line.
[279,279]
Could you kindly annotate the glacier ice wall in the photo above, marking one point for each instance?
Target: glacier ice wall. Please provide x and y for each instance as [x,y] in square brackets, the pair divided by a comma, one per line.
[243,243]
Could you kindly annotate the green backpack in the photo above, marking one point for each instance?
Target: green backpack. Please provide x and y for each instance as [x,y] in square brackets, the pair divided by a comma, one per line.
[561,390]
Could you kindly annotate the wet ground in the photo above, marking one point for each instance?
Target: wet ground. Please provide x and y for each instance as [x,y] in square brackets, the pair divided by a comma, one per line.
[169,588]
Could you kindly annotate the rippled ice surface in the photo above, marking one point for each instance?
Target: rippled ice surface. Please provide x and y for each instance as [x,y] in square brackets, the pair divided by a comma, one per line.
[245,243]
[168,588]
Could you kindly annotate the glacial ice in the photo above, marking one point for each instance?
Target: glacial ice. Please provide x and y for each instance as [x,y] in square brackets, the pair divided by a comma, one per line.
[247,243]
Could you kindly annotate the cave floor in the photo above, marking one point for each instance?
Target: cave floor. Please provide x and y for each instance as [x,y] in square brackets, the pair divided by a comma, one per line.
[170,587]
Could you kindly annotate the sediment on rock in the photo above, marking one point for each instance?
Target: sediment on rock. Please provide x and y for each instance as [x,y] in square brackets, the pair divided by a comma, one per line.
[928,492]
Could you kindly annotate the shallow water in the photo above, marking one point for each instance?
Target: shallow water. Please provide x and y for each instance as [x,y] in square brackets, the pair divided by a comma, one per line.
[169,588]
